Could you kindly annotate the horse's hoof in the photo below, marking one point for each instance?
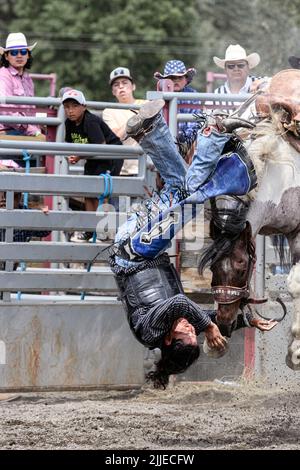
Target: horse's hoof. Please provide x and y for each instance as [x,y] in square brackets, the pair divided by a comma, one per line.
[293,356]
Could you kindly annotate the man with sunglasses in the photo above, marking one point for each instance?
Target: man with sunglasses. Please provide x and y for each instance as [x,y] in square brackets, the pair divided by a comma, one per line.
[16,57]
[237,65]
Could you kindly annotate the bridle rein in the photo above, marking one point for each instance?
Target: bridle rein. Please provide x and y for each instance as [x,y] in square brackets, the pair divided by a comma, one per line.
[231,294]
[226,295]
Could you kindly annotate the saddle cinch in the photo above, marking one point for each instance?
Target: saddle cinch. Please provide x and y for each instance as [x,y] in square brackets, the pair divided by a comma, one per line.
[282,99]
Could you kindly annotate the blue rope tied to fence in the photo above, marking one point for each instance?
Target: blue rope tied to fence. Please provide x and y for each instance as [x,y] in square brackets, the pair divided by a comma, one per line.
[26,159]
[108,190]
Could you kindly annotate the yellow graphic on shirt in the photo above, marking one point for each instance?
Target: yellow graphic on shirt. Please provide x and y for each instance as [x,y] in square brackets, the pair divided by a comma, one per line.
[78,139]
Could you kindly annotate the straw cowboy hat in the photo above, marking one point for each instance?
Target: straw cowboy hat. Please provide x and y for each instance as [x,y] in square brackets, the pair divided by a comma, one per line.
[235,52]
[176,68]
[294,62]
[16,41]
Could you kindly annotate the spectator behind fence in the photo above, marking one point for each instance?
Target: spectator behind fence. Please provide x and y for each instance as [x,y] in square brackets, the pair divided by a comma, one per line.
[122,88]
[84,127]
[181,77]
[237,65]
[16,57]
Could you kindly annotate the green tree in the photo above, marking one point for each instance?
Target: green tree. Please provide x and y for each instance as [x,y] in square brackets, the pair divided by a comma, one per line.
[7,10]
[83,41]
[269,27]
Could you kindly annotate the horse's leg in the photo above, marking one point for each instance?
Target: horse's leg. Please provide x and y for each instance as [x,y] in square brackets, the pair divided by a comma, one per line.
[293,283]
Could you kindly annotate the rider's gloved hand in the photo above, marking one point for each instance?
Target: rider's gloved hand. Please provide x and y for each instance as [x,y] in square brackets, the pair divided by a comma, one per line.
[231,123]
[224,123]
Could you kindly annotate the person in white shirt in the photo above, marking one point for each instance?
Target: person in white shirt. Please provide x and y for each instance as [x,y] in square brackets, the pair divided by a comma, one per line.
[122,87]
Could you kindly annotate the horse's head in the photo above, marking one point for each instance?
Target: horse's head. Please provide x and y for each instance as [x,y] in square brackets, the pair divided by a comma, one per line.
[231,257]
[231,278]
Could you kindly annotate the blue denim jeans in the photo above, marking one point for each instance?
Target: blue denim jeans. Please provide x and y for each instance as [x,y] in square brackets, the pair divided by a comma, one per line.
[159,145]
[209,150]
[14,132]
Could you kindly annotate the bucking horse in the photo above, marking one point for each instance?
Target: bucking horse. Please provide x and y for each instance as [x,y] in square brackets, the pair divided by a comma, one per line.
[273,207]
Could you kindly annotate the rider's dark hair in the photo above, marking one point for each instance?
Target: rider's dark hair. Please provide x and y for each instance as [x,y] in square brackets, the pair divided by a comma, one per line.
[175,359]
[4,62]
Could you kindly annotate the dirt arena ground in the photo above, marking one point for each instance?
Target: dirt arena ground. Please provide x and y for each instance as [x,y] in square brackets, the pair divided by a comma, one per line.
[185,416]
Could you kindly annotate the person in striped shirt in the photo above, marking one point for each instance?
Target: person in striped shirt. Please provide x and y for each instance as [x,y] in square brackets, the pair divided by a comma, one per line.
[161,316]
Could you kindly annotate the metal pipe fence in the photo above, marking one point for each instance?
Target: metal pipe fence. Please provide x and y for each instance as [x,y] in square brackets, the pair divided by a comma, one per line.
[52,77]
[49,101]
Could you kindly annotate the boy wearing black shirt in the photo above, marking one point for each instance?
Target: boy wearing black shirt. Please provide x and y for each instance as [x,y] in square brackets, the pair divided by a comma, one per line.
[84,127]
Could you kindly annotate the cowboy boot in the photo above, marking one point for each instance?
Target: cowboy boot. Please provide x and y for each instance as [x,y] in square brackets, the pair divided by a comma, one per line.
[143,122]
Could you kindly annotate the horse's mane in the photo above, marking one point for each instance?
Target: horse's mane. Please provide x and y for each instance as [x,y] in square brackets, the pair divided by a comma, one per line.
[225,228]
[265,143]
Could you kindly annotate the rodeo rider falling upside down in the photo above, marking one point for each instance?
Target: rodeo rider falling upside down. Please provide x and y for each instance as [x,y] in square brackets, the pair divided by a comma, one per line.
[158,312]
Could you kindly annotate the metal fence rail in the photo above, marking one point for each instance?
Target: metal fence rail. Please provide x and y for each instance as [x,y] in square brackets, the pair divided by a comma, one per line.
[57,220]
[57,280]
[80,185]
[55,251]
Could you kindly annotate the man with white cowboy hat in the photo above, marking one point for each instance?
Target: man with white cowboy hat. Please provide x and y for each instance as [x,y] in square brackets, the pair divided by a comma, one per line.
[237,65]
[16,41]
[181,77]
[15,80]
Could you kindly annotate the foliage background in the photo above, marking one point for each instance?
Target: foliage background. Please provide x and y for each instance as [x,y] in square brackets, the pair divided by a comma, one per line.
[82,41]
